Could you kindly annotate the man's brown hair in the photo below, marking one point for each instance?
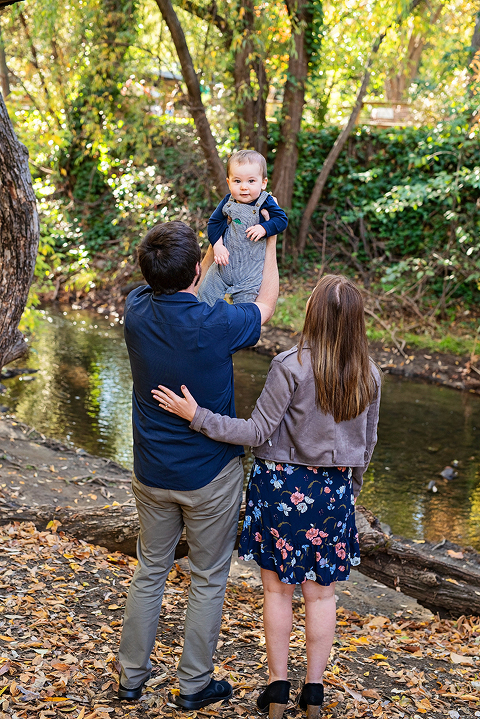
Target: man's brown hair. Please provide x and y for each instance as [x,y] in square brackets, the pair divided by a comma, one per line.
[335,333]
[243,156]
[168,257]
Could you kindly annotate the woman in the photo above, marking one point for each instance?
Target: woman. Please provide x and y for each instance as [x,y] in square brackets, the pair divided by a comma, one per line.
[313,428]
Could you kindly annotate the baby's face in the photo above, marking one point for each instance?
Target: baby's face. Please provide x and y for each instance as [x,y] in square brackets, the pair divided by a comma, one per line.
[245,181]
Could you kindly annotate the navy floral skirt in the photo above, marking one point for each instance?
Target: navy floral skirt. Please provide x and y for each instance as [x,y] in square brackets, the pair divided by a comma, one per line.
[300,522]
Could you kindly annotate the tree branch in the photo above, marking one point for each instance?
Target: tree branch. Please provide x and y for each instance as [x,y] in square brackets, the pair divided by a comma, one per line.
[345,133]
[197,109]
[210,14]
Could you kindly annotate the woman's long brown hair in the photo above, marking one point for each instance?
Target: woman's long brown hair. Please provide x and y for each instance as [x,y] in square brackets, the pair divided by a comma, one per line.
[335,333]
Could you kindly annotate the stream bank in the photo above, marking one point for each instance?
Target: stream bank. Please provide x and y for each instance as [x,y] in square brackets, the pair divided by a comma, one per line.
[449,370]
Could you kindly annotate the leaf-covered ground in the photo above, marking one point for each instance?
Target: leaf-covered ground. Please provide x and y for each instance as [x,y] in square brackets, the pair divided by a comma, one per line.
[61,615]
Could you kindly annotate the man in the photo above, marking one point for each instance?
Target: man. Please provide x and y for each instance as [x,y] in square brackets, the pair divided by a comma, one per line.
[182,478]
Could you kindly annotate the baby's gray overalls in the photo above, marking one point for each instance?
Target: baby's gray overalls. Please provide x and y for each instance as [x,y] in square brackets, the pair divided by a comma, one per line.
[242,277]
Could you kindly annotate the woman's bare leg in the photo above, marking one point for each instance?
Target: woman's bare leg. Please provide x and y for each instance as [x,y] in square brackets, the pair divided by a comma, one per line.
[320,618]
[277,620]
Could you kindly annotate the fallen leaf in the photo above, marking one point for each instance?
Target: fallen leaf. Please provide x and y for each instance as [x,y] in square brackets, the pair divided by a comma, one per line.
[353,693]
[461,659]
[54,524]
[378,621]
[423,705]
[360,640]
[106,628]
[371,694]
[413,649]
[455,555]
[55,699]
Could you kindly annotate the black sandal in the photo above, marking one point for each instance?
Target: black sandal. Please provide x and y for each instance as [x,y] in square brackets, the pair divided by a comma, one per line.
[274,699]
[311,700]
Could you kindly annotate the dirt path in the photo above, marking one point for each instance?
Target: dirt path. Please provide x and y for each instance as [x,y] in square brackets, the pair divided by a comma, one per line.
[61,617]
[36,470]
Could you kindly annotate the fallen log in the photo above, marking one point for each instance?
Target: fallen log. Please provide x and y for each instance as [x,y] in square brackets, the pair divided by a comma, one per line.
[438,581]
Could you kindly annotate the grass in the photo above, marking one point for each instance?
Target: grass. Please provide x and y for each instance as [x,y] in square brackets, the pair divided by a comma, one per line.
[461,337]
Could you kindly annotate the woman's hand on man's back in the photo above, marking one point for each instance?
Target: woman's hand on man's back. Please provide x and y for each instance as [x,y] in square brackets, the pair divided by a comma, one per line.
[182,406]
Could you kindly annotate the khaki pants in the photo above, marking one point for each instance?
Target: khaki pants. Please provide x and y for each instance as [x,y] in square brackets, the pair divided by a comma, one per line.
[210,517]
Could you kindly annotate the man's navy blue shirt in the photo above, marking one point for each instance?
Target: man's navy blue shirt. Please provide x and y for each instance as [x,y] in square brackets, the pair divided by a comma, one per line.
[174,340]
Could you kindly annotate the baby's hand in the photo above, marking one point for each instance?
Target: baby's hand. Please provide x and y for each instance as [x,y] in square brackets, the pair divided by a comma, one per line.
[256,232]
[220,253]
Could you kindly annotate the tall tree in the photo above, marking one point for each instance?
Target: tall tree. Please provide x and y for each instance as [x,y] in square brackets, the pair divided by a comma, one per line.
[197,108]
[250,102]
[402,75]
[475,46]
[19,234]
[339,144]
[286,155]
[237,28]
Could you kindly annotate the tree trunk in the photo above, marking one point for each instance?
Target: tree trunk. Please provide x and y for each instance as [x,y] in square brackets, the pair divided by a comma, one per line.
[401,77]
[244,99]
[197,109]
[250,103]
[397,83]
[261,126]
[4,83]
[286,156]
[475,46]
[341,140]
[19,234]
[330,161]
[424,571]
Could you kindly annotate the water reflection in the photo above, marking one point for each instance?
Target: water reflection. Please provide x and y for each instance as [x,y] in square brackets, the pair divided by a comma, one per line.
[82,394]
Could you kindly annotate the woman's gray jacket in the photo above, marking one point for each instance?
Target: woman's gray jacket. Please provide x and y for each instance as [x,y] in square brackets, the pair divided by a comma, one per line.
[287,426]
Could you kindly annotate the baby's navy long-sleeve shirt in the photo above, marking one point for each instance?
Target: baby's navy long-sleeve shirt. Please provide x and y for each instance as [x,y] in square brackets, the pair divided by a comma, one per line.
[278,221]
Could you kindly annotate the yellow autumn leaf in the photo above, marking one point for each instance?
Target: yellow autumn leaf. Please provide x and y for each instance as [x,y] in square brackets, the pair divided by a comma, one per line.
[6,639]
[359,640]
[423,705]
[55,699]
[54,524]
[378,656]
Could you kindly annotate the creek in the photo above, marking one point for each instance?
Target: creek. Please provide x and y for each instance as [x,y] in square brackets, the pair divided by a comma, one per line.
[81,394]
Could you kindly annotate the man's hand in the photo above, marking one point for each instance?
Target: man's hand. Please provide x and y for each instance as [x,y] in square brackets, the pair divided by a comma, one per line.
[171,402]
[220,252]
[256,232]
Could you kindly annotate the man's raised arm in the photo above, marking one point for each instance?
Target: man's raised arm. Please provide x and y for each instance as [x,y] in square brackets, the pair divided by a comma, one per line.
[206,262]
[268,294]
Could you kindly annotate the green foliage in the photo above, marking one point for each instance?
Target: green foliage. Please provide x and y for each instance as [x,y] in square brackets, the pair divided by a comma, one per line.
[290,310]
[401,206]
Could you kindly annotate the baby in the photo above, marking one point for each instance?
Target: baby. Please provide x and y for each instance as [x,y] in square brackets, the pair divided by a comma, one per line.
[238,230]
